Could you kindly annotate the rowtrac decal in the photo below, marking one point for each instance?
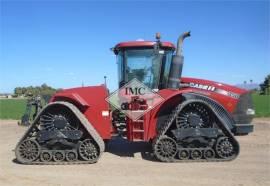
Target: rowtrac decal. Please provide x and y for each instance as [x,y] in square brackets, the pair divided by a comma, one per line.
[214,89]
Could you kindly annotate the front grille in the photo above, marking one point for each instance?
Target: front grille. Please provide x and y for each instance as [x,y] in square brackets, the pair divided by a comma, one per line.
[240,114]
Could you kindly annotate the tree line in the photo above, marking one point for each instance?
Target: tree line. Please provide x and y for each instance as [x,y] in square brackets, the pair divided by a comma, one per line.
[42,90]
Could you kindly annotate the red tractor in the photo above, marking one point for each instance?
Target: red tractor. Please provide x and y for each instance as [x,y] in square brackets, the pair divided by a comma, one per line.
[195,121]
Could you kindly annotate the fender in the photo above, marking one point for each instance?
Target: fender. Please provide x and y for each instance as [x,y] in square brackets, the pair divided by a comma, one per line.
[217,108]
[75,98]
[91,102]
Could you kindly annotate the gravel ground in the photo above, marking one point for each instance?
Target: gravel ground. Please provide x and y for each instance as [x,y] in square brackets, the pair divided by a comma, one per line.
[124,164]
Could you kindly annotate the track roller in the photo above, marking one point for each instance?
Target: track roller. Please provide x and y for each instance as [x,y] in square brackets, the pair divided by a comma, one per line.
[58,155]
[209,153]
[71,155]
[183,154]
[196,154]
[46,156]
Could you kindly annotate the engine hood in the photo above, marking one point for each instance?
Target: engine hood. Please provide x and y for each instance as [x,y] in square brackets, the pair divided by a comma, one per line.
[217,87]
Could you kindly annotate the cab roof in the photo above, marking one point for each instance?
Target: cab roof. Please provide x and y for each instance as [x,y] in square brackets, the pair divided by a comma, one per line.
[146,44]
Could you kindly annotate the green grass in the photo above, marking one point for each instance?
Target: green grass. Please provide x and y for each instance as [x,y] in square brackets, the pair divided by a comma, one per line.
[262,105]
[12,108]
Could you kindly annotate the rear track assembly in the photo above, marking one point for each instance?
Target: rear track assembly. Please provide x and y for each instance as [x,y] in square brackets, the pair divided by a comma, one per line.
[56,138]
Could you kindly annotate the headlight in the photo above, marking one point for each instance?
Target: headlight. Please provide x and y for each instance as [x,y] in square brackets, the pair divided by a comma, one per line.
[250,111]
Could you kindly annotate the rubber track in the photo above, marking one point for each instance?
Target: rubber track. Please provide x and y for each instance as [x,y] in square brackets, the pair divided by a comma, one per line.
[59,163]
[220,113]
[87,125]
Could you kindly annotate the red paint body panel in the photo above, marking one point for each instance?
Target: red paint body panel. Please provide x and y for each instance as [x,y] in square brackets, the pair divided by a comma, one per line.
[226,101]
[133,44]
[91,102]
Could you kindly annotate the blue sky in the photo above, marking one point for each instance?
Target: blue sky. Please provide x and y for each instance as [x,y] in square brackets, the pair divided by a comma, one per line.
[66,43]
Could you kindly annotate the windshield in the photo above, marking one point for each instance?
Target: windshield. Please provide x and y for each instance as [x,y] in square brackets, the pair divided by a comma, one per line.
[145,65]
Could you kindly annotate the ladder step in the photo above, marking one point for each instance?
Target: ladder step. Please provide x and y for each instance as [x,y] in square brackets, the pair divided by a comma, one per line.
[136,140]
[139,121]
[137,110]
[138,130]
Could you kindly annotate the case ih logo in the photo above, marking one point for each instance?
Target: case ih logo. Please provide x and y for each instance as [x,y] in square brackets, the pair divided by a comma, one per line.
[134,99]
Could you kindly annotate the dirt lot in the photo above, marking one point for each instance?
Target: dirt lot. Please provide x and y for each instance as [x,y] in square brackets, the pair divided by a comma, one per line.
[124,165]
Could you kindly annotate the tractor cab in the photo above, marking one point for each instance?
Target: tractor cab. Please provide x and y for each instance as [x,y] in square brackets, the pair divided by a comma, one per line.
[147,61]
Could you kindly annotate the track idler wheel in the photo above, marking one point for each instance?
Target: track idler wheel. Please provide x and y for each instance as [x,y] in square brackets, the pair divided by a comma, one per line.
[71,156]
[46,156]
[224,148]
[183,154]
[58,155]
[88,150]
[27,151]
[165,149]
[196,154]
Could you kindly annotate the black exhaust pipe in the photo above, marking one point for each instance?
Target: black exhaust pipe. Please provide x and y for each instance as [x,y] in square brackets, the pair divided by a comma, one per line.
[177,64]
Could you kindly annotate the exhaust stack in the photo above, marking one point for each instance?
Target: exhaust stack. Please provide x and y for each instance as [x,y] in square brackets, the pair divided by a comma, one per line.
[177,63]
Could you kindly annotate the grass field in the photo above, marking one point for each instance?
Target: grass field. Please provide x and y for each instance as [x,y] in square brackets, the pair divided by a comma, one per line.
[14,108]
[262,105]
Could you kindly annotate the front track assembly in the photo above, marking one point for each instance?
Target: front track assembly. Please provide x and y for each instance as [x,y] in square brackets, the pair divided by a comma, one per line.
[196,130]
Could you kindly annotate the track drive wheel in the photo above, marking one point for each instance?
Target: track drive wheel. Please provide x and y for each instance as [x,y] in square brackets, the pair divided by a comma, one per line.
[27,151]
[88,150]
[165,149]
